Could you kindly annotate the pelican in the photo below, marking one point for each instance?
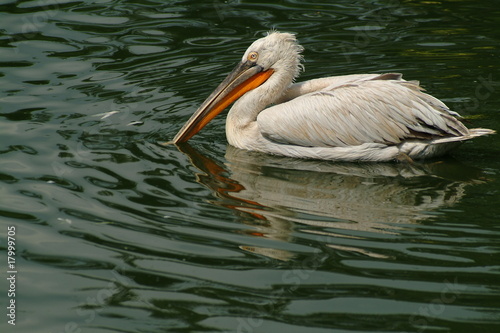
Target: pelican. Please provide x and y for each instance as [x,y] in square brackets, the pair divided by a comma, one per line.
[360,117]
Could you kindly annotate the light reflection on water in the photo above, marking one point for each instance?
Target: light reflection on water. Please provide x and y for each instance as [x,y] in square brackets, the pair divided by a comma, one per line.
[117,233]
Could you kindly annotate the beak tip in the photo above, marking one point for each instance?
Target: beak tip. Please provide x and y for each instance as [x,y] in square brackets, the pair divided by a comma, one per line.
[166,143]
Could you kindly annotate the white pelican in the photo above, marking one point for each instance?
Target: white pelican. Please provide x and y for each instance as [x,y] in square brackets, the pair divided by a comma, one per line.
[364,117]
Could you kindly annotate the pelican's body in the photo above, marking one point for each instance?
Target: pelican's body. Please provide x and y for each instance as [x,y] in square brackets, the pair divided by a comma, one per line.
[365,117]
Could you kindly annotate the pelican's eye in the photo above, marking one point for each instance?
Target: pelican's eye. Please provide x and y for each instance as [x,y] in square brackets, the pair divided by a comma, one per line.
[253,56]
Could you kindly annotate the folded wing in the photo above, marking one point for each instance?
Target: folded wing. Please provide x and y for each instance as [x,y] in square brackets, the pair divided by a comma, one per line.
[377,110]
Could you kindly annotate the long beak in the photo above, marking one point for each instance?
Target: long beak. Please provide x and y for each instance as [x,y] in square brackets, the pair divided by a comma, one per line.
[244,77]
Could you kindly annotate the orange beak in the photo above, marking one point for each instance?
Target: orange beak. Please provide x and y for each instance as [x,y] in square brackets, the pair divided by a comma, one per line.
[245,77]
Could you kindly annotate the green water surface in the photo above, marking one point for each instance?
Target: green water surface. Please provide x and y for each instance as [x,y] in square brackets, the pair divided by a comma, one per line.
[115,233]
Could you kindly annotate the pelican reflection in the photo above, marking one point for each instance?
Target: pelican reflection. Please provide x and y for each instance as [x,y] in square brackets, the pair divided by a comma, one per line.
[278,195]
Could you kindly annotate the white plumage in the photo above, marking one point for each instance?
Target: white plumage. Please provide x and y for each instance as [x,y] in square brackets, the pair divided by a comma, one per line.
[365,117]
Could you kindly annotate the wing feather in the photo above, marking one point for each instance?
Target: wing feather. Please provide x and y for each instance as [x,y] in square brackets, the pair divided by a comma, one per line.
[371,111]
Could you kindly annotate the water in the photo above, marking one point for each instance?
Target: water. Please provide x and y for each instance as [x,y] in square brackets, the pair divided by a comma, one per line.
[115,233]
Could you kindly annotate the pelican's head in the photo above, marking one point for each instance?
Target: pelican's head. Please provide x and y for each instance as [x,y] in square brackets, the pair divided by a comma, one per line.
[277,55]
[277,51]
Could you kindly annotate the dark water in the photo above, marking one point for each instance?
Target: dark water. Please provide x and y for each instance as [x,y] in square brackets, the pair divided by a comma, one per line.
[114,233]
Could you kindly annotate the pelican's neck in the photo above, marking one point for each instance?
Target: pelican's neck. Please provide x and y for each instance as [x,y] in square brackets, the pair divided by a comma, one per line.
[246,109]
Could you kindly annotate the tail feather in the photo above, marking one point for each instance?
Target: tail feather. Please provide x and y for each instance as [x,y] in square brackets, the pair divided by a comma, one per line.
[473,132]
[480,131]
